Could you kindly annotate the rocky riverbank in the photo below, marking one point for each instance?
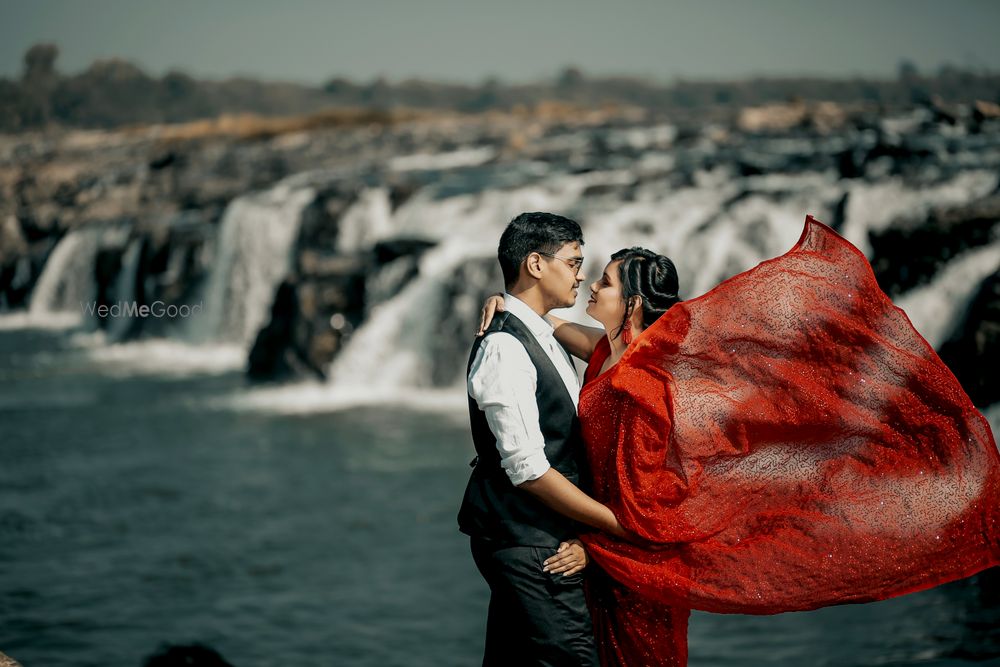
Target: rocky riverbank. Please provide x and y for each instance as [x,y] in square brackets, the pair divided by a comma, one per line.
[356,248]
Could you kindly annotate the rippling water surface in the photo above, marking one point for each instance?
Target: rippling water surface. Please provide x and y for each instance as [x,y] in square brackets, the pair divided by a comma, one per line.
[136,509]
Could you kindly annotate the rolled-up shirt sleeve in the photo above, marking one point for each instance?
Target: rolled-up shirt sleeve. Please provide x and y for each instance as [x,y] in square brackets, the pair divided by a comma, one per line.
[502,381]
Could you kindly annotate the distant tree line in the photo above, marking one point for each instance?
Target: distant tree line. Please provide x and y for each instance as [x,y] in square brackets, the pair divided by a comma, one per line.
[113,93]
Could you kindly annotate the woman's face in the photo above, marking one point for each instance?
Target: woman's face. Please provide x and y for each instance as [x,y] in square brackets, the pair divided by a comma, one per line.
[606,304]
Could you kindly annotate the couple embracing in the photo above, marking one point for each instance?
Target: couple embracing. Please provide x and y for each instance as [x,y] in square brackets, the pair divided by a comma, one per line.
[784,442]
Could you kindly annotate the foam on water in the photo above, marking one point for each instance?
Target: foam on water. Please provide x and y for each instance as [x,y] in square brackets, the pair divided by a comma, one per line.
[317,397]
[467,157]
[160,356]
[43,320]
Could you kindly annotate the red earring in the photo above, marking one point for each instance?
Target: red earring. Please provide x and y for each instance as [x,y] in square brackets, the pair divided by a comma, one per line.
[627,336]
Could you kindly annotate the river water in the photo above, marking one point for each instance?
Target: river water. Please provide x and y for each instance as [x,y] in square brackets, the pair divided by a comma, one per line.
[141,506]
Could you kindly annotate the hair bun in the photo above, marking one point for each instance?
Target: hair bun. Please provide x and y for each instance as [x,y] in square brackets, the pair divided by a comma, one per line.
[650,276]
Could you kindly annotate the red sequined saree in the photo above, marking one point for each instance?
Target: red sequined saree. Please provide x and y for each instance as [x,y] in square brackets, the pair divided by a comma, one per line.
[784,442]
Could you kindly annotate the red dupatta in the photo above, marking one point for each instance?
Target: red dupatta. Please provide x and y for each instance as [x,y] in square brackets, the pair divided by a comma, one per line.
[789,441]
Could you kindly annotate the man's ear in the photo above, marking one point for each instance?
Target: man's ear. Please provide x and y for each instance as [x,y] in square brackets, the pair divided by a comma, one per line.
[533,265]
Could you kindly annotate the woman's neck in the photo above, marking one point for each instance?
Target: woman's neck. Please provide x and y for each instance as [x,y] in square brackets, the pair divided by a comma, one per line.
[618,345]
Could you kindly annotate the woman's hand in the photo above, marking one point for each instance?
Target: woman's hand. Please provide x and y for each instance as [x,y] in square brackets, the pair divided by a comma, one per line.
[570,558]
[493,304]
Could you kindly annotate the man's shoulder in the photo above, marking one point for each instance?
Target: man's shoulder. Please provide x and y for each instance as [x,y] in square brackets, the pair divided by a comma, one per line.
[502,342]
[499,349]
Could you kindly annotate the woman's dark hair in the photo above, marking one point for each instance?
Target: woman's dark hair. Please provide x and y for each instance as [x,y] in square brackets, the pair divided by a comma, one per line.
[649,276]
[533,232]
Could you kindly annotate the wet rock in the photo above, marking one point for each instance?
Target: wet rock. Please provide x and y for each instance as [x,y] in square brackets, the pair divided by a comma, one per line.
[391,250]
[823,117]
[275,354]
[186,655]
[314,312]
[910,252]
[165,272]
[13,249]
[455,321]
[7,661]
[975,345]
[170,192]
[983,110]
[107,266]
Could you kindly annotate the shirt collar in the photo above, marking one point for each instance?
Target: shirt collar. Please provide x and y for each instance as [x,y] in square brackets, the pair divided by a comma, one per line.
[536,324]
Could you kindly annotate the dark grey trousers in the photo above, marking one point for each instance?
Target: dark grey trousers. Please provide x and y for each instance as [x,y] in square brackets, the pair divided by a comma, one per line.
[535,618]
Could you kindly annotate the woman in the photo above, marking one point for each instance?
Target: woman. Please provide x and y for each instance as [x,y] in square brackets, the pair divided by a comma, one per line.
[784,442]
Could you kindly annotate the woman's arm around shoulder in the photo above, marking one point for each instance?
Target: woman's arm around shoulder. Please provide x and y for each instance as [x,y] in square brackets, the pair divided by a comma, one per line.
[579,340]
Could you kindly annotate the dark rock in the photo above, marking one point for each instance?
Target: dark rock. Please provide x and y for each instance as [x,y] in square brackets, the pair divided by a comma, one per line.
[320,227]
[189,655]
[107,266]
[603,189]
[454,324]
[910,252]
[975,345]
[839,213]
[313,315]
[850,163]
[399,193]
[275,354]
[7,661]
[393,249]
[162,161]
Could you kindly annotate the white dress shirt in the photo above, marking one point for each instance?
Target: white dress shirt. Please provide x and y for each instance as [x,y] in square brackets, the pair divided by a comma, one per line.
[502,380]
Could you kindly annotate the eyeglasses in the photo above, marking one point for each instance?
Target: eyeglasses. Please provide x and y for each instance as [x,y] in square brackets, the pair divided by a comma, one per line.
[574,263]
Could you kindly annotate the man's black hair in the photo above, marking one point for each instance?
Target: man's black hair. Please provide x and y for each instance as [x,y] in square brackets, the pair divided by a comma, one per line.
[533,232]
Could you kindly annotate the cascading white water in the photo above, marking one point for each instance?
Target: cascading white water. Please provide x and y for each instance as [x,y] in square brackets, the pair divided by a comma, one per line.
[718,226]
[67,281]
[125,288]
[935,309]
[710,236]
[708,239]
[367,220]
[874,206]
[393,347]
[253,254]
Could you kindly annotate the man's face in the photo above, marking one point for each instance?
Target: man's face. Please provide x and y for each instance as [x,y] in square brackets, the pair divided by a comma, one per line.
[562,275]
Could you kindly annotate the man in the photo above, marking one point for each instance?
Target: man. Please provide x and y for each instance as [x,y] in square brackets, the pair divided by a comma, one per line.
[522,503]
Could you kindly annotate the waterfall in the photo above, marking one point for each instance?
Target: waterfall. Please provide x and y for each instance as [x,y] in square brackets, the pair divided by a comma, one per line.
[368,220]
[873,207]
[713,224]
[67,281]
[936,308]
[118,327]
[394,348]
[712,230]
[400,344]
[253,254]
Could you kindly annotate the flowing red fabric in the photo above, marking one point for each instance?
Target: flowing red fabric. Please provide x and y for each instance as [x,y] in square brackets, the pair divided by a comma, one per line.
[785,442]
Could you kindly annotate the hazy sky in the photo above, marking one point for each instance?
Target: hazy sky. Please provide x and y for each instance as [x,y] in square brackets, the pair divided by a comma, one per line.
[517,40]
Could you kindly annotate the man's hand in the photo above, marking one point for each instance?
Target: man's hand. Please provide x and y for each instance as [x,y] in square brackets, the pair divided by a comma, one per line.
[570,558]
